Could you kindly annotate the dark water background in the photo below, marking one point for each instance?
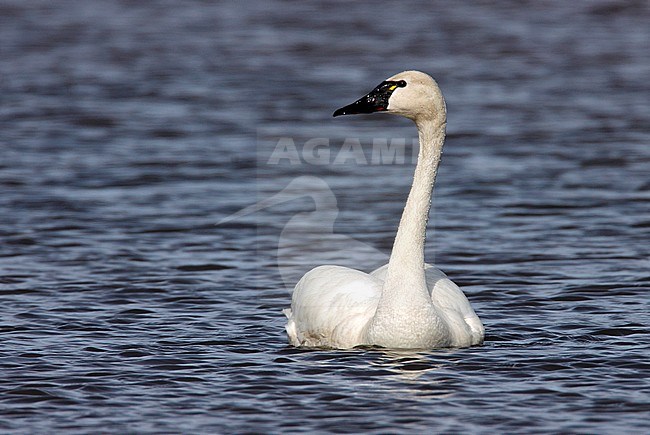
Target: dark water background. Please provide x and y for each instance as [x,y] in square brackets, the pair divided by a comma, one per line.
[129,128]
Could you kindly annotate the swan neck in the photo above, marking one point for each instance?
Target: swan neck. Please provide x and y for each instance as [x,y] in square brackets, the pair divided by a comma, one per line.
[407,257]
[404,293]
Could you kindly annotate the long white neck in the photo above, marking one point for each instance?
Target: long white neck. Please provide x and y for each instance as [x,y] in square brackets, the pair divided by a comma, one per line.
[406,265]
[405,315]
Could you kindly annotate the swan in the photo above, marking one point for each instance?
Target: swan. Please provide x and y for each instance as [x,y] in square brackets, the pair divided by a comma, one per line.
[405,304]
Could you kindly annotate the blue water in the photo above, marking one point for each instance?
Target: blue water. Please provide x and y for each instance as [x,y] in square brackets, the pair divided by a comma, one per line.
[129,129]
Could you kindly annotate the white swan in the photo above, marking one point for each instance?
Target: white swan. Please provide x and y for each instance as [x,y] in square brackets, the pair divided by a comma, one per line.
[406,303]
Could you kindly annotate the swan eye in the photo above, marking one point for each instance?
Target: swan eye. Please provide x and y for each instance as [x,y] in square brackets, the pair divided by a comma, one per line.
[391,86]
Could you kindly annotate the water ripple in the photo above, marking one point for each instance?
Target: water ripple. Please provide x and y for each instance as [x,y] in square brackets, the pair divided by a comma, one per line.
[130,129]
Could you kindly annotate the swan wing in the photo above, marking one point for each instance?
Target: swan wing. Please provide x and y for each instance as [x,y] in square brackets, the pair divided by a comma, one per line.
[331,307]
[465,328]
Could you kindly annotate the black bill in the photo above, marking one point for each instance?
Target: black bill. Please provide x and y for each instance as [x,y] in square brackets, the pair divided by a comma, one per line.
[375,101]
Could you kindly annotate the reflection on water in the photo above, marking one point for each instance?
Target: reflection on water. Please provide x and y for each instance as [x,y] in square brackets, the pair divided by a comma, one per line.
[409,368]
[130,128]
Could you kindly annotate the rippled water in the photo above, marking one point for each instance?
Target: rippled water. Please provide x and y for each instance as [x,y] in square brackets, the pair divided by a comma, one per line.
[129,129]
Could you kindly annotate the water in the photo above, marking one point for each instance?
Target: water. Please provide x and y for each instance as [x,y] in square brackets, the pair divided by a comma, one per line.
[130,128]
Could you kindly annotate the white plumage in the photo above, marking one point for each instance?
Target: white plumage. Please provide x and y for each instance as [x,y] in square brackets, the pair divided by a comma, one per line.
[406,303]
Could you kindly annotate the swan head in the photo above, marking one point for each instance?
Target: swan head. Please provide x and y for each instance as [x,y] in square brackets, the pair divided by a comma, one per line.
[412,94]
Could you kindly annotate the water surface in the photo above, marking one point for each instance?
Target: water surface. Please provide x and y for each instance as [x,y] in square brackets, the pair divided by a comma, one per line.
[130,128]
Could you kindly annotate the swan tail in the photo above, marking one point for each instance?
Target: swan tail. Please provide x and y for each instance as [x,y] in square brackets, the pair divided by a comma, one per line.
[287,313]
[292,332]
[477,328]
